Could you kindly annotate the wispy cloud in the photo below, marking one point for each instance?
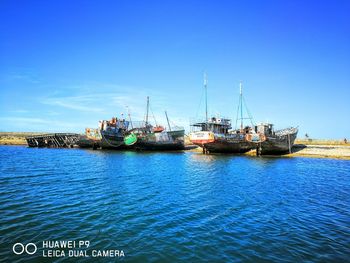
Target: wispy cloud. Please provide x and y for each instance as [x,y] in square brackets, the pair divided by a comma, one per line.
[79,103]
[24,76]
[40,124]
[104,101]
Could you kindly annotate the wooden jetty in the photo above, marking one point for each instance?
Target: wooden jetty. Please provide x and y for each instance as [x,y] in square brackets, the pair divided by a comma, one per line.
[53,140]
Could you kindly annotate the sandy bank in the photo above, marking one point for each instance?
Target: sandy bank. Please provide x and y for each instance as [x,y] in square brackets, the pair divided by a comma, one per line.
[327,151]
[317,151]
[15,138]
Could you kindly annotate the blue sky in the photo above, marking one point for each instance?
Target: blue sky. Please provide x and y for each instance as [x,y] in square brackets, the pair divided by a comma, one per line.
[64,65]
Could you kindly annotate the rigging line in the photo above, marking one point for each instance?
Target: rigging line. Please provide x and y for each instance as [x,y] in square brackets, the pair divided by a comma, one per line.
[200,103]
[129,115]
[154,118]
[249,114]
[144,118]
[239,102]
[175,125]
[172,123]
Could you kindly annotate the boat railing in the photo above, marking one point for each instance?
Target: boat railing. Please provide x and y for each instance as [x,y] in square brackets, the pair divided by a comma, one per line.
[51,134]
[213,120]
[142,124]
[286,131]
[176,128]
[137,124]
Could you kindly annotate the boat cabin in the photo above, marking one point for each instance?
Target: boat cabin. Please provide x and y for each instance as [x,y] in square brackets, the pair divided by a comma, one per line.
[264,128]
[245,130]
[215,125]
[114,125]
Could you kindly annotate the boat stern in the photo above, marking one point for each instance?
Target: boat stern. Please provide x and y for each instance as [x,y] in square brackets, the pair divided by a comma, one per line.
[201,137]
[93,134]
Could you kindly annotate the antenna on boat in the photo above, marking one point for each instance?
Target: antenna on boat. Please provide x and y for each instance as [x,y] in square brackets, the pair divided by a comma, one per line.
[167,119]
[206,96]
[147,111]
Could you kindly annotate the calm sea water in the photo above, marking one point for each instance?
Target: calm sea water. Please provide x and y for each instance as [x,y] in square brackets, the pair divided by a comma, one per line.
[175,206]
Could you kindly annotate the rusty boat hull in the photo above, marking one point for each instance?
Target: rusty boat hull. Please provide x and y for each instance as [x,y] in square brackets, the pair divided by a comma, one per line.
[278,144]
[219,143]
[160,141]
[228,146]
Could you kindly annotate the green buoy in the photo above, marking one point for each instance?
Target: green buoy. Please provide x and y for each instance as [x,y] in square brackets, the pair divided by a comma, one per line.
[130,139]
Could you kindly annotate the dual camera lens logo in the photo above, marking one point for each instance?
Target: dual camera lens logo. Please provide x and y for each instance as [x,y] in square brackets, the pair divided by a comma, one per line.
[29,248]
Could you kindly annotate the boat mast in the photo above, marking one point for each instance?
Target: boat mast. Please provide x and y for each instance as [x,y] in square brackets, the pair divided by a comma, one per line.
[240,103]
[206,97]
[147,111]
[167,119]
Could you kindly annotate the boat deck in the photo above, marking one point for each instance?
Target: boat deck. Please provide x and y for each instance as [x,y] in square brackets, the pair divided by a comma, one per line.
[53,140]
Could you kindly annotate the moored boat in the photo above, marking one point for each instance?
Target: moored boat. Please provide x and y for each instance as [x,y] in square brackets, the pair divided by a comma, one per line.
[273,142]
[155,138]
[157,141]
[109,134]
[214,135]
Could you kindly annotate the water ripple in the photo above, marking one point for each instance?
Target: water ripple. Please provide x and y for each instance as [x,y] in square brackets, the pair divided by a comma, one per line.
[176,206]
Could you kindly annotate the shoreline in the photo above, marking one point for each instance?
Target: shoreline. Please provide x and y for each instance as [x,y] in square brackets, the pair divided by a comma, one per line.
[321,151]
[331,149]
[311,151]
[16,138]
